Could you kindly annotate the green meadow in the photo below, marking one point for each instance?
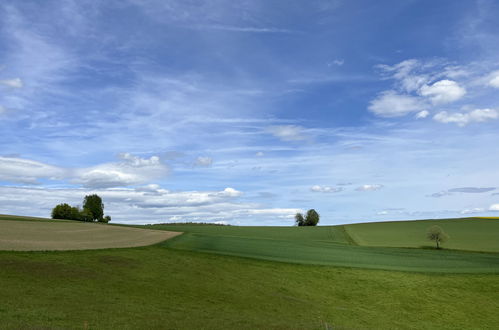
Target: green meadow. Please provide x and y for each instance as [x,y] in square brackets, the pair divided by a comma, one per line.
[217,277]
[339,245]
[472,234]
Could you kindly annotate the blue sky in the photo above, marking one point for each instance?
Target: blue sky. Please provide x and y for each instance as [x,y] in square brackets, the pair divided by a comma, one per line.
[246,112]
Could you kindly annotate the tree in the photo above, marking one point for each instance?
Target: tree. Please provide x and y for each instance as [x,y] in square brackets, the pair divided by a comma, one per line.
[106,219]
[435,233]
[86,215]
[93,203]
[312,218]
[75,213]
[299,220]
[62,211]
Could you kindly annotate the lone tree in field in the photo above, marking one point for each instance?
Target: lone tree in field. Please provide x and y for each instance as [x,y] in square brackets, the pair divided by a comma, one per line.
[311,219]
[93,203]
[436,234]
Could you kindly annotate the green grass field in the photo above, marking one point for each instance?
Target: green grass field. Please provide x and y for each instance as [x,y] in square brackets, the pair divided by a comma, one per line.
[334,246]
[175,286]
[473,234]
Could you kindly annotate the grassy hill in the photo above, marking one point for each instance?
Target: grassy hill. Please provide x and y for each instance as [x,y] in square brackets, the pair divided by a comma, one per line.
[172,285]
[337,245]
[473,234]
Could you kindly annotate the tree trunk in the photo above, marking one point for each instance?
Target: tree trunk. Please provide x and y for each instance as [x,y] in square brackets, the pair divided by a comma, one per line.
[438,246]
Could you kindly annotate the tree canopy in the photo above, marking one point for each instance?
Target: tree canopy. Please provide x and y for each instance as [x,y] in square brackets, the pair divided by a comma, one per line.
[311,218]
[436,234]
[93,203]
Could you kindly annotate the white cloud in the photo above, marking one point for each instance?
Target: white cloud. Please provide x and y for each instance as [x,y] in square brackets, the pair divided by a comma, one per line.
[132,170]
[463,119]
[392,104]
[443,91]
[370,187]
[325,189]
[259,154]
[287,132]
[494,207]
[230,192]
[473,210]
[2,109]
[494,79]
[27,171]
[422,114]
[281,213]
[203,161]
[127,205]
[14,83]
[338,62]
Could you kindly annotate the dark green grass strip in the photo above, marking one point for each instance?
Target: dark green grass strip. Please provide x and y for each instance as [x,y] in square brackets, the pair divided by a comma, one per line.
[334,254]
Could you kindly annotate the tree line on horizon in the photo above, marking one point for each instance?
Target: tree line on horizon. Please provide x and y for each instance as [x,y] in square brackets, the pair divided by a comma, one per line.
[92,210]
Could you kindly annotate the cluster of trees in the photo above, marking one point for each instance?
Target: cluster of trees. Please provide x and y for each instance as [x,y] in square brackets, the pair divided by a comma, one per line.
[310,219]
[93,210]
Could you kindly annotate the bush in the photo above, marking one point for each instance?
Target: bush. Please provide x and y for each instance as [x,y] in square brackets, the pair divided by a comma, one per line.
[62,211]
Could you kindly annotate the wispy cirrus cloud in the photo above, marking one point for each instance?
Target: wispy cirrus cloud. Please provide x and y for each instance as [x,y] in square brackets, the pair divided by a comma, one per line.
[326,189]
[466,190]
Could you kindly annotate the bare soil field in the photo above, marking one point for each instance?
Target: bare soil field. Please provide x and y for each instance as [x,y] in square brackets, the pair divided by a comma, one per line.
[43,236]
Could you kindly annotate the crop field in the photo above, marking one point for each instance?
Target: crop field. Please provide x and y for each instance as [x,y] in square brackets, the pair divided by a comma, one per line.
[70,235]
[176,284]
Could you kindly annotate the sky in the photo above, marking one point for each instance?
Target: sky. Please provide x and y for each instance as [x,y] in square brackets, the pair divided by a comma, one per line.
[246,112]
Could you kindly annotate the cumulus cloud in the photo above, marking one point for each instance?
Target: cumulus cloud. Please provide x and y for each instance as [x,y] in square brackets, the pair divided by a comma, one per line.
[443,91]
[463,119]
[132,170]
[127,205]
[422,114]
[19,170]
[325,189]
[369,187]
[230,192]
[392,104]
[203,161]
[494,79]
[14,83]
[287,132]
[494,207]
